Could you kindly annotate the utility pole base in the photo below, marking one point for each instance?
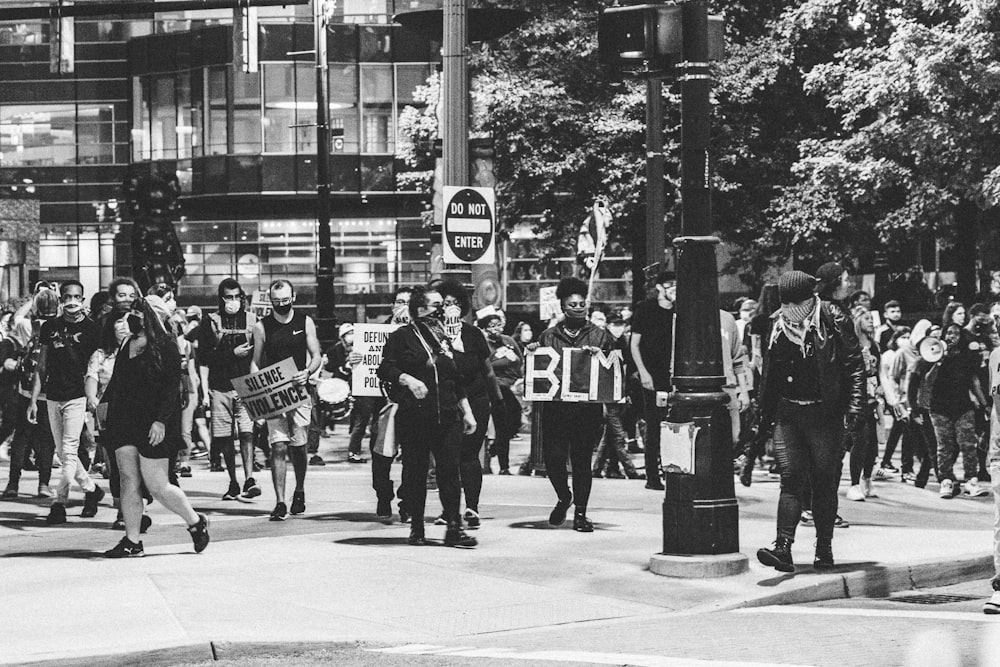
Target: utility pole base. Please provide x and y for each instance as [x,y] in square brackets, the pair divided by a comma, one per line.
[698,567]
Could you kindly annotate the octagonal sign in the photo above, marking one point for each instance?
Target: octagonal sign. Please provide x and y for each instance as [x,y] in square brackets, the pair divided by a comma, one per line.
[469,225]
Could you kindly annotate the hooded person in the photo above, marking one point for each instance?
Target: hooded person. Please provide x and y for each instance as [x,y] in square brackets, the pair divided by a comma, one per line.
[812,387]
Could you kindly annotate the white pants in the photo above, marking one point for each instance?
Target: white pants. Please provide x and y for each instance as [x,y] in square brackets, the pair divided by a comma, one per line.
[66,418]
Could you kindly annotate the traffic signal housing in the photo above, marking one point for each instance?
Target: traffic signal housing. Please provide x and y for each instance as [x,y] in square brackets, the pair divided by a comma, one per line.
[649,36]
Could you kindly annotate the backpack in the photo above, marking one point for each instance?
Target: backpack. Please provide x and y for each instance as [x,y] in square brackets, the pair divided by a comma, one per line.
[216,322]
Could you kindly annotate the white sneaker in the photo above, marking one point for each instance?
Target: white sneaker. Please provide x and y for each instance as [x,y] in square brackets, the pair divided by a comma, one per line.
[866,486]
[992,606]
[5,452]
[947,487]
[44,491]
[973,488]
[855,493]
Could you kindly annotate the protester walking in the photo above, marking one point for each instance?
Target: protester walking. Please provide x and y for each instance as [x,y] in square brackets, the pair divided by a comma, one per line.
[225,343]
[812,386]
[287,334]
[508,366]
[419,372]
[66,345]
[143,425]
[652,350]
[864,441]
[571,430]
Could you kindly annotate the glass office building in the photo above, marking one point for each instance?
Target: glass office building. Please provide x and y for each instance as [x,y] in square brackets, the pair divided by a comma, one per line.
[163,95]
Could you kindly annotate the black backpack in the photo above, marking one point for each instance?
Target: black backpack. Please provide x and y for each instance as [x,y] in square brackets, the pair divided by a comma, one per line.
[28,360]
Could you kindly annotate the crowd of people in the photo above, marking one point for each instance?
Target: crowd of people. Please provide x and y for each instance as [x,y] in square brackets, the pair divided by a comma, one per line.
[131,388]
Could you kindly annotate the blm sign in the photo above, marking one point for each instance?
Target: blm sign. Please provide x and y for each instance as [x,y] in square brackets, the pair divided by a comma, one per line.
[469,225]
[574,375]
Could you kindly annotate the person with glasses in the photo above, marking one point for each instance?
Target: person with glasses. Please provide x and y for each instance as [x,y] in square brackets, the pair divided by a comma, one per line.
[652,350]
[66,345]
[287,334]
[225,342]
[571,430]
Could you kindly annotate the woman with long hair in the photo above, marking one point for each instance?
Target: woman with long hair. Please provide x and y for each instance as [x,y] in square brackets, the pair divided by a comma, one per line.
[892,376]
[865,441]
[954,313]
[143,424]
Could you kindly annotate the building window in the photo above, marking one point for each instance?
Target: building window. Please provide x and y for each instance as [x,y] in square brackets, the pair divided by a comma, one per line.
[343,89]
[140,119]
[45,135]
[163,134]
[376,100]
[216,140]
[31,33]
[289,108]
[246,112]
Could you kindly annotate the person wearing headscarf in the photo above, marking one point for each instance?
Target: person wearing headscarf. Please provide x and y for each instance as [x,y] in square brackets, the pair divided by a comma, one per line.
[812,388]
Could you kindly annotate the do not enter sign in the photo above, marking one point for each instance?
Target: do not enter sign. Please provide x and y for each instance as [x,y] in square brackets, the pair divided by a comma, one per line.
[469,225]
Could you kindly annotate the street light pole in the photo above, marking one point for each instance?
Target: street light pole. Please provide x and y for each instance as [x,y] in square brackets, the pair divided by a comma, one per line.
[700,513]
[655,232]
[325,297]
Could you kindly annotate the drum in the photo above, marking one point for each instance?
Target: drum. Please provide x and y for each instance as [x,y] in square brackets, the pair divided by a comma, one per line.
[334,397]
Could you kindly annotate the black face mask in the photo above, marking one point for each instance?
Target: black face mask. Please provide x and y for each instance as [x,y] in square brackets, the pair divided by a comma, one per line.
[575,322]
[282,310]
[134,323]
[436,314]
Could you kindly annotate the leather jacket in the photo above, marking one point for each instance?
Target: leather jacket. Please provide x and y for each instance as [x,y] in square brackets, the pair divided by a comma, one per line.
[840,369]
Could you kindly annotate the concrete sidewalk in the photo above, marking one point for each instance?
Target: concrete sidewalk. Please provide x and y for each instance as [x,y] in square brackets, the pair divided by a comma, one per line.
[337,575]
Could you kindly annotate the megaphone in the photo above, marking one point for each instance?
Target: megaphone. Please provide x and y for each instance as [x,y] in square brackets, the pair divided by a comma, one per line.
[932,349]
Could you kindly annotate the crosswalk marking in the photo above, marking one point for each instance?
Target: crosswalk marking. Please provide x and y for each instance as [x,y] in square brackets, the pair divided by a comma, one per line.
[962,616]
[639,660]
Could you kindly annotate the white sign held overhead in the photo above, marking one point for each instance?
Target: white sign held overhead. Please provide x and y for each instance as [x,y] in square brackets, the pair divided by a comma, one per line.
[469,225]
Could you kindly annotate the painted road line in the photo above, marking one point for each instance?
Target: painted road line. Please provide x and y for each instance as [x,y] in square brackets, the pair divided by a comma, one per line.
[569,656]
[961,616]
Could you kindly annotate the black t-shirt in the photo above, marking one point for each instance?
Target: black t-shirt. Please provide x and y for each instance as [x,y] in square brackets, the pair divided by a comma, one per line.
[656,326]
[8,350]
[472,362]
[70,345]
[950,395]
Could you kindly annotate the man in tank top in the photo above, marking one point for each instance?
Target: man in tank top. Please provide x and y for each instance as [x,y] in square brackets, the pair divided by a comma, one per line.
[287,334]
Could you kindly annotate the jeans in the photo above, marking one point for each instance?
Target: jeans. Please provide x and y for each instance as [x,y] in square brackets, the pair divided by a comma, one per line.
[423,437]
[613,449]
[571,431]
[315,429]
[653,416]
[66,420]
[470,464]
[808,444]
[955,434]
[864,450]
[365,411]
[35,436]
[508,429]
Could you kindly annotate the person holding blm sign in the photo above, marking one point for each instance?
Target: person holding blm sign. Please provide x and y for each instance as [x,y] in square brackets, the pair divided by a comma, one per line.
[286,334]
[572,429]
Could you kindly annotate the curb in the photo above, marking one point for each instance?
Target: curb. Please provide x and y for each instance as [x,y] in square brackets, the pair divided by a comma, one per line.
[879,581]
[196,652]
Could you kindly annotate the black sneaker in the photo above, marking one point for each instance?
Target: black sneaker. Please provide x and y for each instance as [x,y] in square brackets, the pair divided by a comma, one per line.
[185,471]
[416,538]
[216,467]
[316,460]
[472,519]
[384,510]
[558,515]
[456,537]
[250,488]
[9,493]
[654,484]
[279,513]
[582,524]
[126,548]
[298,502]
[199,534]
[504,471]
[57,514]
[404,516]
[90,500]
[824,556]
[119,522]
[233,493]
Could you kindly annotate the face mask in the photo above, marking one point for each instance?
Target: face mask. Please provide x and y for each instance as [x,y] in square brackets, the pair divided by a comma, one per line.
[616,331]
[72,307]
[436,314]
[232,307]
[452,313]
[525,336]
[134,323]
[282,310]
[122,331]
[575,321]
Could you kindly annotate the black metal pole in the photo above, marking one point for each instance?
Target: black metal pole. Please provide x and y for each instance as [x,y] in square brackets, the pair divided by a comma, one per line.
[655,233]
[700,514]
[325,297]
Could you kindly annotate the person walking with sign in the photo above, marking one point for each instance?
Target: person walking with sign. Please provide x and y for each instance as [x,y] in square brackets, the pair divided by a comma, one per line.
[571,430]
[287,334]
[143,426]
[420,374]
[225,343]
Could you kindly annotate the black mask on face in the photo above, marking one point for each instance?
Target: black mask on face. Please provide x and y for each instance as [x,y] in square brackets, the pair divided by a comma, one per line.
[282,310]
[436,314]
[134,323]
[574,322]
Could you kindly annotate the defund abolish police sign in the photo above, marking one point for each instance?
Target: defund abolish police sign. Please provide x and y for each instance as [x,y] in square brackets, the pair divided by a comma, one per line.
[271,392]
[469,225]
